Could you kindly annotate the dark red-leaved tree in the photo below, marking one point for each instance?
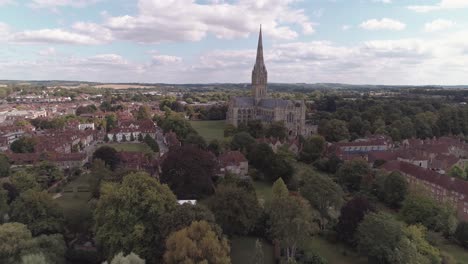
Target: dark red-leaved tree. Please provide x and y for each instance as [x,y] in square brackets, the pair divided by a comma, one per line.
[351,215]
[188,170]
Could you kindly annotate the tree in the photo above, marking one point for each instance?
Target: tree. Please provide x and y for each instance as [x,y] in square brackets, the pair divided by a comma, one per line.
[99,172]
[416,234]
[323,194]
[108,155]
[38,211]
[132,137]
[277,129]
[176,122]
[23,145]
[256,129]
[4,166]
[197,243]
[3,205]
[12,191]
[140,137]
[258,257]
[394,189]
[15,239]
[151,143]
[230,130]
[124,138]
[457,172]
[236,210]
[334,130]
[111,122]
[143,113]
[419,208]
[351,216]
[47,173]
[188,171]
[461,234]
[131,258]
[270,164]
[351,173]
[291,219]
[196,140]
[312,149]
[242,141]
[114,138]
[24,181]
[34,259]
[379,236]
[52,247]
[127,215]
[215,147]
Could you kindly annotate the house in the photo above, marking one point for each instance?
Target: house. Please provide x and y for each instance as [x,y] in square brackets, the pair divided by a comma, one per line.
[439,186]
[129,129]
[233,162]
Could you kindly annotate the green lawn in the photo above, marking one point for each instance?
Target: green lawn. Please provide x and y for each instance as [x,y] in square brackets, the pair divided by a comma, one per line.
[263,190]
[132,147]
[333,253]
[72,200]
[243,248]
[449,248]
[210,129]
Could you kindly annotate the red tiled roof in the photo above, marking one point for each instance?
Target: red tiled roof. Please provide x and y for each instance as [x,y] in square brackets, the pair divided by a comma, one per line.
[231,158]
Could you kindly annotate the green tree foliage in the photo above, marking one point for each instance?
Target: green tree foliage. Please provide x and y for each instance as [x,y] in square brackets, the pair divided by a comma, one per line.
[323,193]
[151,142]
[89,109]
[99,172]
[419,208]
[236,210]
[271,165]
[176,122]
[38,258]
[108,155]
[44,123]
[111,122]
[351,174]
[4,166]
[379,237]
[127,215]
[291,219]
[4,208]
[457,172]
[256,129]
[143,113]
[215,147]
[277,129]
[461,234]
[131,258]
[16,238]
[188,171]
[196,140]
[351,216]
[23,145]
[416,234]
[312,149]
[47,173]
[24,181]
[393,189]
[242,141]
[334,130]
[197,243]
[12,191]
[230,130]
[38,211]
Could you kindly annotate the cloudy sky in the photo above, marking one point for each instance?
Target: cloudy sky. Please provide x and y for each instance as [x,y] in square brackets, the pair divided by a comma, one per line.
[204,41]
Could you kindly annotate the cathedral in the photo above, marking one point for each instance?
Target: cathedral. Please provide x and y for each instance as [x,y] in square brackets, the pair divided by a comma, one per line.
[260,106]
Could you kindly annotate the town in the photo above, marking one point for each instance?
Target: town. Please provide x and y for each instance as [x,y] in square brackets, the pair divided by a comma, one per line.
[243,132]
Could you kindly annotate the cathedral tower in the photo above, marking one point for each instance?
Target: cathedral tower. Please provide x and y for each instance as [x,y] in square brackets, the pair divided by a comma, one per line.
[259,73]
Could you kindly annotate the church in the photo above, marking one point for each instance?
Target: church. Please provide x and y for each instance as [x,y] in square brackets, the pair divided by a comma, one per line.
[260,106]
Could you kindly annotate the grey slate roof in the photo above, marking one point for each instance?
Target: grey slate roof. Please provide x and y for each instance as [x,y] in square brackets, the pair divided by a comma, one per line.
[243,101]
[273,103]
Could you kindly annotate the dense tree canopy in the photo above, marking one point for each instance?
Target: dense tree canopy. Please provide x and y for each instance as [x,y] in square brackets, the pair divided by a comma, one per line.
[108,155]
[312,149]
[242,141]
[4,166]
[235,208]
[351,216]
[38,211]
[461,233]
[24,181]
[197,243]
[350,175]
[393,189]
[127,215]
[271,165]
[188,170]
[23,145]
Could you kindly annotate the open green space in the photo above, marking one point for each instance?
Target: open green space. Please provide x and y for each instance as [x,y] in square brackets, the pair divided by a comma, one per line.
[449,248]
[333,253]
[131,147]
[263,190]
[243,249]
[210,130]
[75,195]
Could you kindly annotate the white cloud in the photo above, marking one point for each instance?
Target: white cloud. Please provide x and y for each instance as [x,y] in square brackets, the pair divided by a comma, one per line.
[48,52]
[443,4]
[186,20]
[6,2]
[346,27]
[165,59]
[58,36]
[61,3]
[438,25]
[382,1]
[382,24]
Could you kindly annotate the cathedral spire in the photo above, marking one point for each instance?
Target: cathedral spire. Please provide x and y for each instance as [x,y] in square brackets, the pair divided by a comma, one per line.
[259,60]
[259,73]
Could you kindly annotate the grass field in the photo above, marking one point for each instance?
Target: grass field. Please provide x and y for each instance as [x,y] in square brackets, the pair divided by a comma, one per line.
[333,253]
[449,248]
[243,248]
[73,200]
[131,147]
[209,130]
[263,191]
